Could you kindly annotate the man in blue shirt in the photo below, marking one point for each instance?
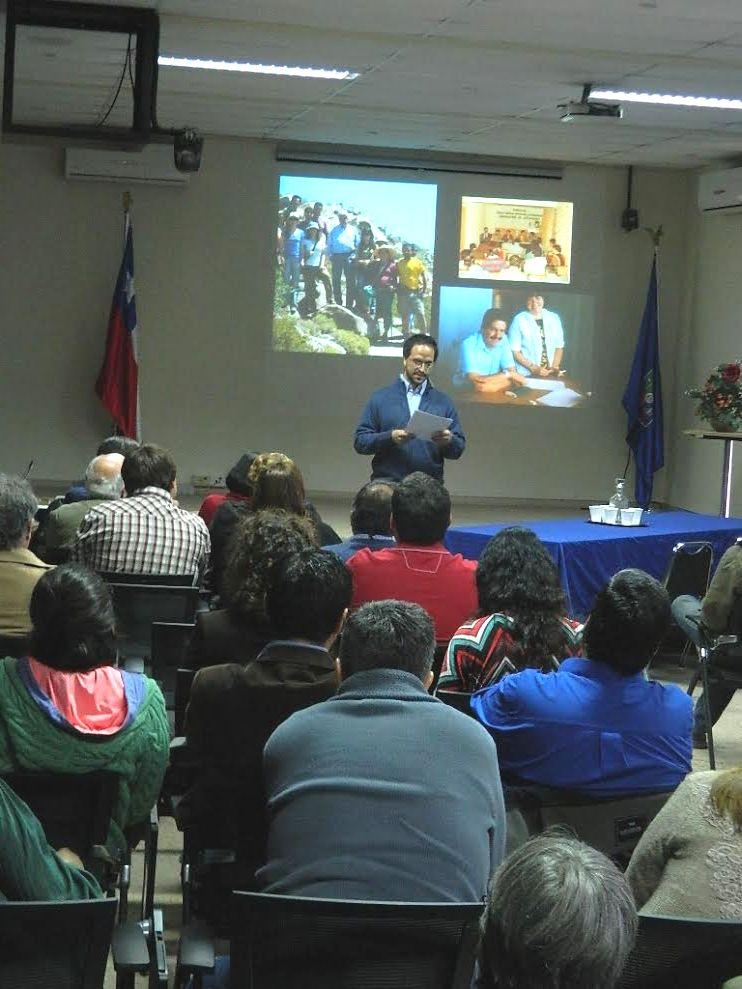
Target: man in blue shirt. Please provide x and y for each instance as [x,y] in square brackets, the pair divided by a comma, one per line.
[486,359]
[342,242]
[597,725]
[370,519]
[382,430]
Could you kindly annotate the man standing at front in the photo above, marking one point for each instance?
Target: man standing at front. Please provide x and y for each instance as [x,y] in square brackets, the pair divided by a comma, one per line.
[382,431]
[536,338]
[383,792]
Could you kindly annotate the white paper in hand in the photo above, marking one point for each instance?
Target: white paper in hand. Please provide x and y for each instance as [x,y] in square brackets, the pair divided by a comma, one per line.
[424,424]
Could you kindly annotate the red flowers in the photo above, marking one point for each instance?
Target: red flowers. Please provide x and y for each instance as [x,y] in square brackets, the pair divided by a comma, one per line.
[730,372]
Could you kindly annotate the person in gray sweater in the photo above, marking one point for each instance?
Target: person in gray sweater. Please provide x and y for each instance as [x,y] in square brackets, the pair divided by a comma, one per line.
[383,792]
[688,862]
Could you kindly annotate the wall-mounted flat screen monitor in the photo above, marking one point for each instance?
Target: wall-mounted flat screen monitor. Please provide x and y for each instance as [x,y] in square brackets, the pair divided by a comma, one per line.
[515,240]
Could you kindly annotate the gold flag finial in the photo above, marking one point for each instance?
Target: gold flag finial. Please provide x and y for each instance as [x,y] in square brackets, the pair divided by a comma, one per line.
[127,201]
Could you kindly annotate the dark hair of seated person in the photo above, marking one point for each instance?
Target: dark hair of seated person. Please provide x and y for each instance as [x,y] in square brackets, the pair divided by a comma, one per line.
[421,509]
[559,915]
[117,444]
[372,508]
[73,620]
[517,577]
[280,485]
[260,540]
[627,623]
[307,595]
[149,466]
[396,635]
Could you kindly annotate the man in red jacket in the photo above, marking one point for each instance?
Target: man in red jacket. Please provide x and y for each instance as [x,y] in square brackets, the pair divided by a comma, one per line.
[419,568]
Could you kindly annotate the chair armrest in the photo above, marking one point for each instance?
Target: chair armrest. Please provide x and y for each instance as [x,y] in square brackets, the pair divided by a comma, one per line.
[196,949]
[129,948]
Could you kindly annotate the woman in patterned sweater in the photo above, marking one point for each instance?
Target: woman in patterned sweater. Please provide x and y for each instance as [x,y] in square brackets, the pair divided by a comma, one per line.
[521,621]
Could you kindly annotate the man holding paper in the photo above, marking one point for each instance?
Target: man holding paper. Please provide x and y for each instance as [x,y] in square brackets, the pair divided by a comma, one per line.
[410,425]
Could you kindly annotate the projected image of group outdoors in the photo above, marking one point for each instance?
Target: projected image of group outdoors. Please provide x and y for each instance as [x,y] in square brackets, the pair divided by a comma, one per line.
[516,346]
[515,240]
[354,265]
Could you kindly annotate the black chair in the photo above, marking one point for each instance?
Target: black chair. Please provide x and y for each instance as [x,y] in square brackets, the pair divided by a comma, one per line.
[60,945]
[75,811]
[155,579]
[458,699]
[719,661]
[183,682]
[137,606]
[169,647]
[689,572]
[613,824]
[438,657]
[14,645]
[683,953]
[301,943]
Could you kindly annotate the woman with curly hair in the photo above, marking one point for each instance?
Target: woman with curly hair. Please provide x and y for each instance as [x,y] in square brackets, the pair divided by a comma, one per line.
[521,621]
[237,632]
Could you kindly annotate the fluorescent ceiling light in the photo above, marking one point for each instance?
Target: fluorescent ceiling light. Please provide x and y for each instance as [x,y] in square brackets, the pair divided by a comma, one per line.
[667,99]
[215,65]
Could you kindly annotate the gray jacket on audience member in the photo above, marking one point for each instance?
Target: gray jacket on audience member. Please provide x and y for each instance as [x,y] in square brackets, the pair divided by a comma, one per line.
[382,793]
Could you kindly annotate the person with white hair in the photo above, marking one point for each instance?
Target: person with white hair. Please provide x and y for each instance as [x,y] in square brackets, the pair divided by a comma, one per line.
[102,483]
[20,569]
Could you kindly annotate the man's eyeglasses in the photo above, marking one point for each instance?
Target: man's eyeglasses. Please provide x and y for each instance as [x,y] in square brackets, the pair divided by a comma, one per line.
[421,364]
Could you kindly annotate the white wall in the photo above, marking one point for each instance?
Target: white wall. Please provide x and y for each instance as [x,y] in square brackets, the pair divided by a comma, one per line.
[210,386]
[710,333]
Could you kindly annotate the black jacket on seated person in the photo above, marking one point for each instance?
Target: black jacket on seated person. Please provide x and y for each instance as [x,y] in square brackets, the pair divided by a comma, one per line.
[220,637]
[232,712]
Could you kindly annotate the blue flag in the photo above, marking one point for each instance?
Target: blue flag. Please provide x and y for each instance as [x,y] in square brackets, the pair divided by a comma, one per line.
[643,399]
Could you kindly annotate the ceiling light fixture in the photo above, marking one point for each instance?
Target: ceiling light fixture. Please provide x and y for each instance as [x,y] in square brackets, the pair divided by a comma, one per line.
[302,72]
[668,99]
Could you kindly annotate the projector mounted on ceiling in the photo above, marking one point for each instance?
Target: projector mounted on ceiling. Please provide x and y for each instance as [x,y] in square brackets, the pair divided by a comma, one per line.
[587,108]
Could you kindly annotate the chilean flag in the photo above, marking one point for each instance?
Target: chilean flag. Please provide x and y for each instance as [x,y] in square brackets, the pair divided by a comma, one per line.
[117,384]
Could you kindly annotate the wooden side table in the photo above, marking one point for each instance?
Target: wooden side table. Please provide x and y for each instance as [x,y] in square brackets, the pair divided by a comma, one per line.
[726,470]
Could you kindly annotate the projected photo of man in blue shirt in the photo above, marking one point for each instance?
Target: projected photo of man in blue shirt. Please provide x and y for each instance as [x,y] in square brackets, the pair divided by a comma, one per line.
[486,359]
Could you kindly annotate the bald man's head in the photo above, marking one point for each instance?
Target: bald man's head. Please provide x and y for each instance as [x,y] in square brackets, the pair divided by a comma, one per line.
[103,476]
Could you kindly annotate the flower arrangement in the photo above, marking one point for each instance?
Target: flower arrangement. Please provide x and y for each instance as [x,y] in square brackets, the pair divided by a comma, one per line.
[720,399]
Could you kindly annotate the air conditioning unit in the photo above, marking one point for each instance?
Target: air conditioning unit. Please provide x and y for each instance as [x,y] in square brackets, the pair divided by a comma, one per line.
[152,165]
[720,192]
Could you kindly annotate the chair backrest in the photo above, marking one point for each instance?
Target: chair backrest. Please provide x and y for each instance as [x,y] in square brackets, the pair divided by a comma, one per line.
[64,945]
[612,825]
[183,681]
[14,645]
[170,641]
[438,657]
[74,808]
[137,606]
[683,953]
[157,579]
[689,569]
[303,943]
[458,699]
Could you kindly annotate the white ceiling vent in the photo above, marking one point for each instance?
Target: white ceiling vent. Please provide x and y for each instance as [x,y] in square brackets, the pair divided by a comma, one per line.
[152,165]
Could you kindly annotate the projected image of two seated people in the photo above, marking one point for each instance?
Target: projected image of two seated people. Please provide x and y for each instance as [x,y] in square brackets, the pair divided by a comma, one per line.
[354,264]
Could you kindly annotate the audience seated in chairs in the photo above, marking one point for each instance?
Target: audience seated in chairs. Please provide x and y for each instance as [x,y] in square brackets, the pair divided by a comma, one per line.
[20,569]
[238,631]
[419,568]
[30,869]
[559,915]
[715,614]
[688,862]
[123,445]
[383,792]
[239,488]
[64,707]
[521,621]
[146,532]
[234,709]
[283,489]
[102,483]
[597,725]
[369,519]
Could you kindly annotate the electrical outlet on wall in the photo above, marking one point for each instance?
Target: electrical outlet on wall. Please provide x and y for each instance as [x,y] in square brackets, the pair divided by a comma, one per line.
[208,481]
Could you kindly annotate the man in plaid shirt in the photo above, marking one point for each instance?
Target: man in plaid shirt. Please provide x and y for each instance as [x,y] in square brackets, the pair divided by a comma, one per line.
[145,532]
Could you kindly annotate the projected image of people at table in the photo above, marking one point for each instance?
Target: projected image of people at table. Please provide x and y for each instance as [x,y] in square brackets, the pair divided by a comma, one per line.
[527,240]
[354,264]
[516,346]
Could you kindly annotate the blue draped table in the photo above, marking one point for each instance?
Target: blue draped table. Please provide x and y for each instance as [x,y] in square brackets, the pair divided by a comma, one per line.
[588,554]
